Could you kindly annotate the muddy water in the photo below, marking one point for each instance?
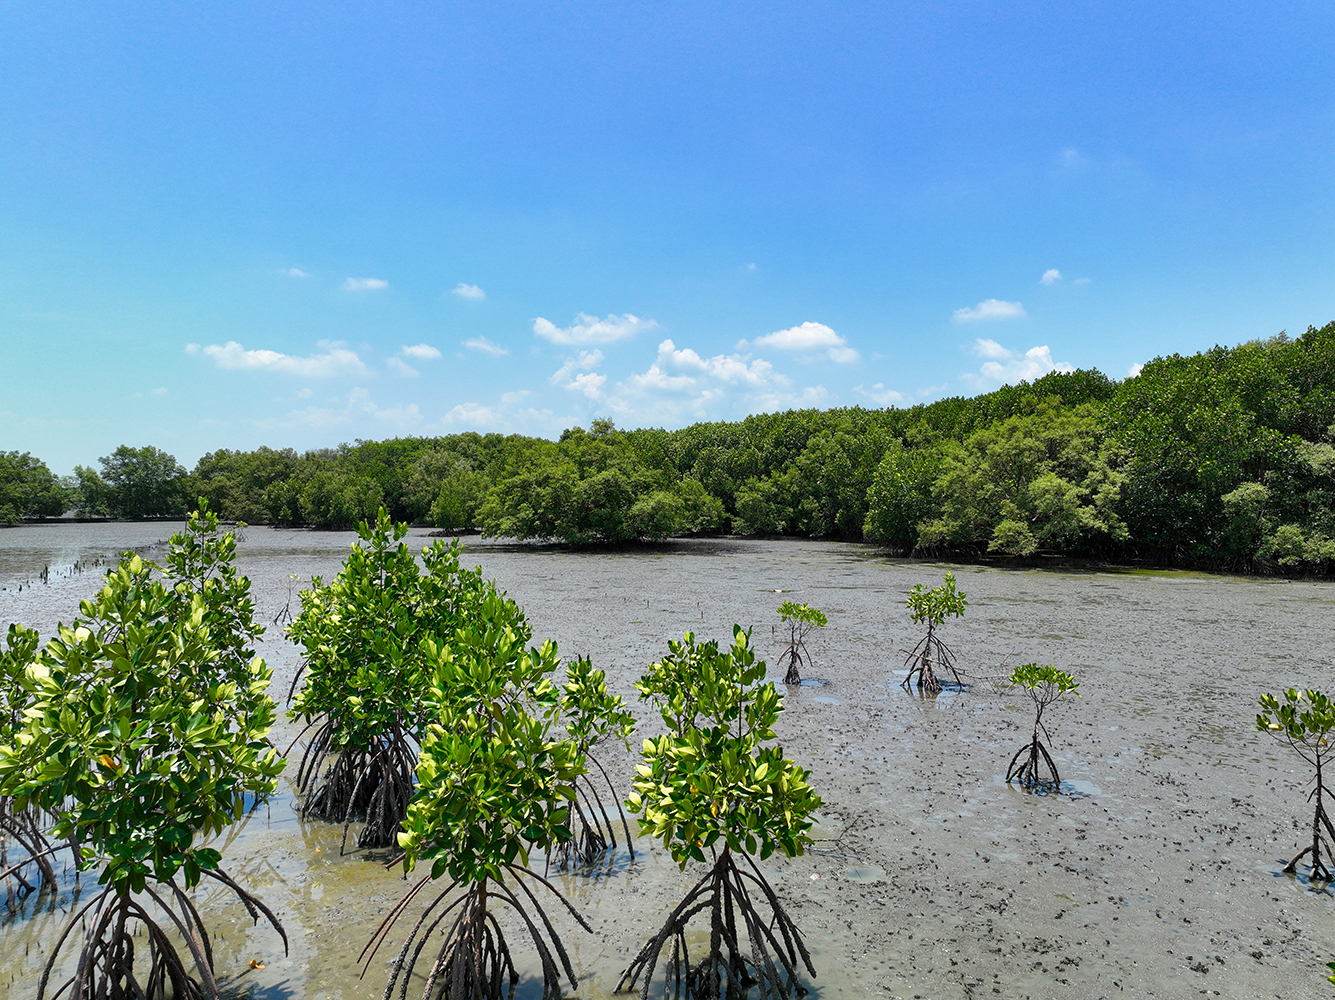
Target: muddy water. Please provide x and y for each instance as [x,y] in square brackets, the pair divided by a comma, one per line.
[1156,873]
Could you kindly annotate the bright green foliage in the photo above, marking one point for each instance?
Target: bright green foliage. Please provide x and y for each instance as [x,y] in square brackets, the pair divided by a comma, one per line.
[370,633]
[1304,720]
[591,714]
[1048,681]
[934,606]
[900,497]
[136,737]
[495,775]
[1041,479]
[711,777]
[802,613]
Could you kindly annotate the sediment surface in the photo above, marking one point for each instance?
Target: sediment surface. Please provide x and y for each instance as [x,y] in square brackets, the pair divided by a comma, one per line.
[1156,874]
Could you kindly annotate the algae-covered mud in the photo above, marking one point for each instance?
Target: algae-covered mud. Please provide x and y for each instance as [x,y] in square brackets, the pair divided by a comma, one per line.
[1156,872]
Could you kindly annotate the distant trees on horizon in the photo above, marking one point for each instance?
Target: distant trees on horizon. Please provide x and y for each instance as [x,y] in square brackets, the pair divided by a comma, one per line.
[1224,458]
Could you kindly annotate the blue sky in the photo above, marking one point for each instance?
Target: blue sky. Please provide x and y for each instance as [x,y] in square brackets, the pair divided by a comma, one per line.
[227,225]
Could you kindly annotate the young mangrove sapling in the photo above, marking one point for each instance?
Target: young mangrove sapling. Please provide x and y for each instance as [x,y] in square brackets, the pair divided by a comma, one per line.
[802,620]
[932,656]
[1304,721]
[592,716]
[496,779]
[142,736]
[1043,685]
[367,672]
[715,790]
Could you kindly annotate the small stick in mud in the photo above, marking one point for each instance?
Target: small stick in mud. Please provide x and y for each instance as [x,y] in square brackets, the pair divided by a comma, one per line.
[931,656]
[1304,720]
[1043,685]
[802,620]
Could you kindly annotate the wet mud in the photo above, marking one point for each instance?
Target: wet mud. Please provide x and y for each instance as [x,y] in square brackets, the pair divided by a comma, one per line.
[1154,872]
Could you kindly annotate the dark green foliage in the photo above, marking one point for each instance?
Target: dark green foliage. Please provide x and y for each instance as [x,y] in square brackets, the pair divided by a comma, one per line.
[138,482]
[27,488]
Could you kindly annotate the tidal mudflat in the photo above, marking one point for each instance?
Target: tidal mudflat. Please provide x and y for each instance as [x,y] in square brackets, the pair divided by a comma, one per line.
[1155,873]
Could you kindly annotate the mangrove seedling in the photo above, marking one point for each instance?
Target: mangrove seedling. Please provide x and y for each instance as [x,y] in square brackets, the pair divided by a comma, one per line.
[931,656]
[715,789]
[593,717]
[140,739]
[1043,685]
[496,779]
[367,672]
[1304,721]
[802,620]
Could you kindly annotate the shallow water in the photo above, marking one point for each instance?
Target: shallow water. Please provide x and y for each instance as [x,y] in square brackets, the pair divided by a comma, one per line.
[1156,873]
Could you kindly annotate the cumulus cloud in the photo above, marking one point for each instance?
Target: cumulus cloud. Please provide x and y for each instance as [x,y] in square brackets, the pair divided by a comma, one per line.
[335,360]
[1004,366]
[485,346]
[423,352]
[1135,370]
[592,330]
[293,272]
[470,292]
[809,337]
[364,284]
[1050,276]
[879,394]
[577,374]
[989,309]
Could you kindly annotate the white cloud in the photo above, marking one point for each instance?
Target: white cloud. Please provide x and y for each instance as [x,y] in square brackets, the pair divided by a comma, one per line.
[293,272]
[423,352]
[364,284]
[1005,366]
[1080,281]
[592,330]
[336,360]
[485,346]
[470,292]
[510,398]
[809,337]
[1050,276]
[471,415]
[590,383]
[358,404]
[989,309]
[400,367]
[305,393]
[1136,369]
[879,394]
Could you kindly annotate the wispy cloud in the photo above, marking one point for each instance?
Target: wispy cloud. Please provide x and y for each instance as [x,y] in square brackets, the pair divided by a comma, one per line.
[485,346]
[879,394]
[423,352]
[358,405]
[397,365]
[577,374]
[989,309]
[470,292]
[809,337]
[592,330]
[1004,366]
[364,284]
[293,272]
[1080,281]
[335,360]
[1050,277]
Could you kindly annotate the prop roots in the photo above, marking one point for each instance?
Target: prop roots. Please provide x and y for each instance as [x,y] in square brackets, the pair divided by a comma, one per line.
[594,830]
[1323,835]
[1028,766]
[373,784]
[108,967]
[764,954]
[474,962]
[928,662]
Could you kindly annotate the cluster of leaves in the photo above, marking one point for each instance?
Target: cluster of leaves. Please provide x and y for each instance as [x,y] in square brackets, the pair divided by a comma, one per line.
[713,777]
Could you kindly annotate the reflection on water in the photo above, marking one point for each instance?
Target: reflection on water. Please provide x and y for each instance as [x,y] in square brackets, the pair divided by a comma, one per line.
[923,853]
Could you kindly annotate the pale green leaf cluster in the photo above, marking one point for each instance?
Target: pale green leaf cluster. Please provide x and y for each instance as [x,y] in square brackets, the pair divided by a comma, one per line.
[496,774]
[712,777]
[934,606]
[804,614]
[1304,718]
[141,729]
[591,714]
[1048,680]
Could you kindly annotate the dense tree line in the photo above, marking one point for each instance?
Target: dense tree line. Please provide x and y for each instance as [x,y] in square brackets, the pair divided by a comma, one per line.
[1222,458]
